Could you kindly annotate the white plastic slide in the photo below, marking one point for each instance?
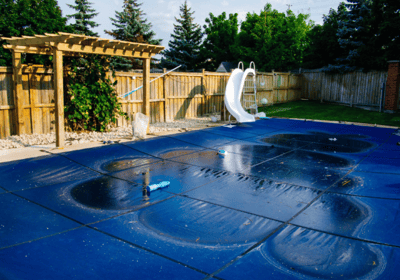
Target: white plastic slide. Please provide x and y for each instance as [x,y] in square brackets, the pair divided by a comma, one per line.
[233,93]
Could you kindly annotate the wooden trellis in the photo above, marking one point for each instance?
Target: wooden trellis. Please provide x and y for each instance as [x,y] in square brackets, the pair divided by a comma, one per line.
[66,44]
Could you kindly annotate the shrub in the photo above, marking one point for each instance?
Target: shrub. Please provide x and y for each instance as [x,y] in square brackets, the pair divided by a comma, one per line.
[91,102]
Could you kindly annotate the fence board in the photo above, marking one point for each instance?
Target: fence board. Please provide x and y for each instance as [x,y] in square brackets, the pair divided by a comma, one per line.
[356,88]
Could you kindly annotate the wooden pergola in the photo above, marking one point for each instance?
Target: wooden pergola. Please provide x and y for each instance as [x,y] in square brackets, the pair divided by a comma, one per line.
[66,44]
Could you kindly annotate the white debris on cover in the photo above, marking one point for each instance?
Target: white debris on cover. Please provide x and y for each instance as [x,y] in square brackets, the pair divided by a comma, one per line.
[260,115]
[72,138]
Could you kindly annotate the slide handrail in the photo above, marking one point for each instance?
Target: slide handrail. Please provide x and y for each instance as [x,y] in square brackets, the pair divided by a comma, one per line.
[254,65]
[241,63]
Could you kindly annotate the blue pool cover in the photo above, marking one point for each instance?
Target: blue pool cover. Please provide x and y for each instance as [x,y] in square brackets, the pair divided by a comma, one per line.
[288,200]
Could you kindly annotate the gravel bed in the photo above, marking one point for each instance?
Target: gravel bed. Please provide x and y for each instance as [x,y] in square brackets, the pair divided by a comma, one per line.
[72,138]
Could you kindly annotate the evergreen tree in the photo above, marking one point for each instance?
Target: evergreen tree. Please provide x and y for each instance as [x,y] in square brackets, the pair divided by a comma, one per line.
[220,43]
[29,17]
[387,18]
[131,26]
[184,49]
[355,32]
[369,35]
[84,14]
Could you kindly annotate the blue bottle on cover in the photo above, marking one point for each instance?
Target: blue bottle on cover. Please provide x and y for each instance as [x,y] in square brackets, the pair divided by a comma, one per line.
[154,187]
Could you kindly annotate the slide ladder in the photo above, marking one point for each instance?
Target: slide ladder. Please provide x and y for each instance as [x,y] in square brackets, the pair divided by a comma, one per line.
[233,93]
[250,92]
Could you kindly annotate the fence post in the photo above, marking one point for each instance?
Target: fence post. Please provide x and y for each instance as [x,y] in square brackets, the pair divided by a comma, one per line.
[203,99]
[274,96]
[32,93]
[165,95]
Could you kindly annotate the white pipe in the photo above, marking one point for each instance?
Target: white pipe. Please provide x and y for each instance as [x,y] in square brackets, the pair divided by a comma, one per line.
[126,94]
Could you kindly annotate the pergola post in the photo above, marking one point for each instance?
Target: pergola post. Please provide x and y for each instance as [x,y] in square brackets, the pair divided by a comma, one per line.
[59,96]
[18,91]
[146,87]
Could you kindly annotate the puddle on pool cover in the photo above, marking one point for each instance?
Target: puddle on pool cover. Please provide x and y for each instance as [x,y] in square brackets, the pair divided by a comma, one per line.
[125,164]
[300,252]
[107,193]
[322,142]
[198,222]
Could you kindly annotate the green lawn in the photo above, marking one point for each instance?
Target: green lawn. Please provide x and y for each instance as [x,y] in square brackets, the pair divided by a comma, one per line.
[321,111]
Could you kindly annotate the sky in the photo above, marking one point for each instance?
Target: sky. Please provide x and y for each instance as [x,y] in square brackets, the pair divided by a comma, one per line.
[161,13]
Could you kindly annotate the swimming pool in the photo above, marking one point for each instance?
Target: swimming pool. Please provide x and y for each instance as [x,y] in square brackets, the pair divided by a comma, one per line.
[289,200]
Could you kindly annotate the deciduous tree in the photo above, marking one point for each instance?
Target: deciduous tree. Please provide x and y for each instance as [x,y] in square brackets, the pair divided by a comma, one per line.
[274,40]
[220,43]
[29,17]
[324,45]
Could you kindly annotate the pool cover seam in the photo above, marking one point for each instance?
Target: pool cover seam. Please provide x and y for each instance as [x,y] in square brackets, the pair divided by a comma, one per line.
[160,157]
[126,180]
[148,250]
[286,223]
[316,189]
[234,140]
[40,238]
[384,173]
[242,173]
[89,226]
[107,174]
[255,134]
[216,168]
[79,222]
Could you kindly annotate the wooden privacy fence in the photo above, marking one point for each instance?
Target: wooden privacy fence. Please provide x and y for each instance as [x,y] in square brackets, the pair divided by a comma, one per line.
[187,95]
[355,88]
[176,95]
[278,87]
[38,101]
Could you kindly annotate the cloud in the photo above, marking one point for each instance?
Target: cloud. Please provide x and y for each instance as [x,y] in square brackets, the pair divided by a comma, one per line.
[225,3]
[242,15]
[165,20]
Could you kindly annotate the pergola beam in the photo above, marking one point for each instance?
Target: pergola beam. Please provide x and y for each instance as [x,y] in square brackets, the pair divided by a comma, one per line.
[113,51]
[26,49]
[34,41]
